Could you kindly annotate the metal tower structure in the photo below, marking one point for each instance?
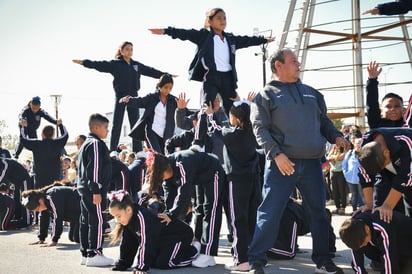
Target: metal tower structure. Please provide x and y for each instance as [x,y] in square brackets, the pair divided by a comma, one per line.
[303,45]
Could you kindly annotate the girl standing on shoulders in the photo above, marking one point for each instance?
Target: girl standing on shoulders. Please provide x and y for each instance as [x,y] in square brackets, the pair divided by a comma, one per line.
[126,73]
[214,62]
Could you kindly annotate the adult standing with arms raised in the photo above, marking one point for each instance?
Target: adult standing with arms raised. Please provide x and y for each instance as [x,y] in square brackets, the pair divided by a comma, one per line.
[126,82]
[293,153]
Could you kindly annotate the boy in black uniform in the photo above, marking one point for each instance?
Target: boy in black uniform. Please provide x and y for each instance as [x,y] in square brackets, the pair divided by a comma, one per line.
[93,180]
[388,151]
[366,234]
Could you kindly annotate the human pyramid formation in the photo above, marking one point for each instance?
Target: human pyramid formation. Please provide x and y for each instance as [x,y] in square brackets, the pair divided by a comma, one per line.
[243,155]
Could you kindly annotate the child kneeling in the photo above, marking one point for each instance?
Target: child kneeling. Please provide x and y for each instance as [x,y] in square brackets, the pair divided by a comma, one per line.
[154,244]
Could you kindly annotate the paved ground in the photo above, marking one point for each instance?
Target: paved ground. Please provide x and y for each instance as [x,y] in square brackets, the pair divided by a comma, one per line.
[19,257]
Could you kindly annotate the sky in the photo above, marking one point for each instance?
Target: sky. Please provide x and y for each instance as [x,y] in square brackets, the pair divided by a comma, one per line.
[40,38]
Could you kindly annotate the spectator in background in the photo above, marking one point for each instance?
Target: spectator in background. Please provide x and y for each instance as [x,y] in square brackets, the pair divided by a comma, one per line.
[339,185]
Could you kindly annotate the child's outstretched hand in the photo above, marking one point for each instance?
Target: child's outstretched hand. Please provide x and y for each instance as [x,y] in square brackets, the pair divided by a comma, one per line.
[270,39]
[125,99]
[374,70]
[157,31]
[374,11]
[181,101]
[77,61]
[250,96]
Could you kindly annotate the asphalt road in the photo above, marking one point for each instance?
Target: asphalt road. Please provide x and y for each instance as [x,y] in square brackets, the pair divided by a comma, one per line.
[19,257]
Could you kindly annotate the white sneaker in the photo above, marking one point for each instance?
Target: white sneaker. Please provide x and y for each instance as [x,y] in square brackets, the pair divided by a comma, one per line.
[203,261]
[99,260]
[243,267]
[83,261]
[196,245]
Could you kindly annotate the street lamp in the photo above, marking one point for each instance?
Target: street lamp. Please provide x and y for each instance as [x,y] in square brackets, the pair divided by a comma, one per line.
[56,98]
[263,47]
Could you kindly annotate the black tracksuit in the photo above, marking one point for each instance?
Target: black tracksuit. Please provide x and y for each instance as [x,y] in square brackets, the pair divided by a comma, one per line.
[4,153]
[205,172]
[95,172]
[154,244]
[126,81]
[6,211]
[137,172]
[241,164]
[63,204]
[120,176]
[33,123]
[399,142]
[46,157]
[143,128]
[16,174]
[203,67]
[390,243]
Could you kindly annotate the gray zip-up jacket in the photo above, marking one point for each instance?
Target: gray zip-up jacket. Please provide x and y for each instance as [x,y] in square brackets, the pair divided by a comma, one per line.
[291,118]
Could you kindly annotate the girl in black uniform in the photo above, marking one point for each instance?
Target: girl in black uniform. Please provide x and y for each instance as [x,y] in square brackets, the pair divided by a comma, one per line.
[29,120]
[178,173]
[214,62]
[241,163]
[6,208]
[126,73]
[62,203]
[154,244]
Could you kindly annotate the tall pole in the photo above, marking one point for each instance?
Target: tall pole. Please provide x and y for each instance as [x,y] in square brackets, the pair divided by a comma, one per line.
[357,64]
[263,47]
[56,98]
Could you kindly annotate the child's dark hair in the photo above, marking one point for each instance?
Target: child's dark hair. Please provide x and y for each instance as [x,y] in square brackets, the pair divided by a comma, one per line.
[393,96]
[48,132]
[118,54]
[164,79]
[121,200]
[97,119]
[241,111]
[31,198]
[352,232]
[210,14]
[4,187]
[157,164]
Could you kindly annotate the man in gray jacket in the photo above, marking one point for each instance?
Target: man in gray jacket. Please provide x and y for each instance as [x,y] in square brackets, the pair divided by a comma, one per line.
[290,123]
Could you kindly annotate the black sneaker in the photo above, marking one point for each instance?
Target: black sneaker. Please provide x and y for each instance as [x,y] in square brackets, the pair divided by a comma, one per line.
[329,268]
[256,269]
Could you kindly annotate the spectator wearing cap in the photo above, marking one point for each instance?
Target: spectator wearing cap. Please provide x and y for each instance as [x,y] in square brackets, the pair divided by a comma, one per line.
[387,151]
[29,119]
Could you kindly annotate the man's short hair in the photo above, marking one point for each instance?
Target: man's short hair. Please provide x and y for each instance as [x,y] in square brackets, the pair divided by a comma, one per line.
[278,56]
[97,119]
[352,233]
[371,158]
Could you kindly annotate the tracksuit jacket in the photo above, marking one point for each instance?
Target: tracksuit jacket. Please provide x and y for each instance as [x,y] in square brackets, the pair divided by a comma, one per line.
[95,167]
[34,119]
[120,176]
[63,204]
[393,8]
[126,79]
[399,142]
[278,102]
[46,157]
[390,243]
[203,38]
[14,172]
